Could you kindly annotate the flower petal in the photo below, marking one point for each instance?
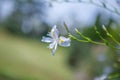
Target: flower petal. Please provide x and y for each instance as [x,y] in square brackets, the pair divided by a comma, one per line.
[64,41]
[47,39]
[51,46]
[54,32]
[54,49]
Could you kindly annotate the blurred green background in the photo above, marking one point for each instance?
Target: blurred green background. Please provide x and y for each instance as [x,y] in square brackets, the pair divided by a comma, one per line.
[24,57]
[28,59]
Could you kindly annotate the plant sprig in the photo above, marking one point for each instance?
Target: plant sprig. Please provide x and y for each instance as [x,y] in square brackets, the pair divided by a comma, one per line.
[110,35]
[89,40]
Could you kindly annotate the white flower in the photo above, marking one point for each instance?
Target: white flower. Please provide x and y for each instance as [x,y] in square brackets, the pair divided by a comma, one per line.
[54,39]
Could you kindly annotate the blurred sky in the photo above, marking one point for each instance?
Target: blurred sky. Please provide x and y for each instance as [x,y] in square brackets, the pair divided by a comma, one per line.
[73,12]
[83,14]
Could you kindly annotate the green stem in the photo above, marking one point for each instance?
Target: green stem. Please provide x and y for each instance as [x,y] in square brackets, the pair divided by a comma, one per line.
[73,37]
[109,35]
[78,32]
[104,40]
[86,41]
[97,43]
[66,27]
[87,38]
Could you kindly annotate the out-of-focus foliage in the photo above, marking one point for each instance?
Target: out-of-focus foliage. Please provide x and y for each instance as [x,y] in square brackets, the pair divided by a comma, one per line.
[26,17]
[27,59]
[104,67]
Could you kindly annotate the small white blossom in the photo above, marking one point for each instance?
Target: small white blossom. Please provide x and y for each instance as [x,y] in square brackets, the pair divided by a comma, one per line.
[54,39]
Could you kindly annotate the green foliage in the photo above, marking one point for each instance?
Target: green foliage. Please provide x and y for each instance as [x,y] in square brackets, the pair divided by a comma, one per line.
[27,59]
[114,76]
[110,41]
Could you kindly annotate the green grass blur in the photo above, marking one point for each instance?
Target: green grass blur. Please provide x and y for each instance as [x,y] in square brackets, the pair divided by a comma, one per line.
[29,59]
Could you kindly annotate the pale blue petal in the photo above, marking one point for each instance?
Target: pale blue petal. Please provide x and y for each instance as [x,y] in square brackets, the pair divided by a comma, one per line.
[51,46]
[65,42]
[54,32]
[47,39]
[54,49]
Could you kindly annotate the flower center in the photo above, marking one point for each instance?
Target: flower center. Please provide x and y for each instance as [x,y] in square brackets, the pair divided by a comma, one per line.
[61,40]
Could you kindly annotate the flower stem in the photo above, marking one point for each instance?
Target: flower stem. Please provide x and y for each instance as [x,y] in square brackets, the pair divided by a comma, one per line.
[73,37]
[87,38]
[109,35]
